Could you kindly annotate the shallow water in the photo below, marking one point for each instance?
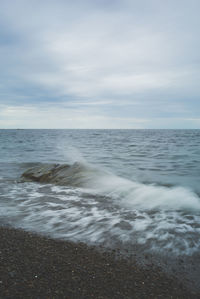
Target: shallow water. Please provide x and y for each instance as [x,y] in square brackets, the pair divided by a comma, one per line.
[139,187]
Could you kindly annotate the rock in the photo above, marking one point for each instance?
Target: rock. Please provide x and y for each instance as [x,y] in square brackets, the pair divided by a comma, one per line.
[77,175]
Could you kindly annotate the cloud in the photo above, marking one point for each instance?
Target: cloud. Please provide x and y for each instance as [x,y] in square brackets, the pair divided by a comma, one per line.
[61,117]
[142,55]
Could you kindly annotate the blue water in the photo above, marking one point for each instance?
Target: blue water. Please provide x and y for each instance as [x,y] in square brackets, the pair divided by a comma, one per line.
[144,187]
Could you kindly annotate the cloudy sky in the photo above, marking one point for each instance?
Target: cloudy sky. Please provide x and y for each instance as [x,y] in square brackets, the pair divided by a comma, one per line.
[99,64]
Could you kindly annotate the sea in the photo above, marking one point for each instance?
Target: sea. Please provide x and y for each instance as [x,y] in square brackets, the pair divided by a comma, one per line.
[141,192]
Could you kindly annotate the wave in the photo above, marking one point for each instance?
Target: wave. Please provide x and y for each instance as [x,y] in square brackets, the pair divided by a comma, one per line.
[148,197]
[94,205]
[126,192]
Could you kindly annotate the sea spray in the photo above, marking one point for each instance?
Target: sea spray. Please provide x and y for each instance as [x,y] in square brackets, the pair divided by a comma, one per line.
[143,194]
[70,153]
[98,206]
[127,192]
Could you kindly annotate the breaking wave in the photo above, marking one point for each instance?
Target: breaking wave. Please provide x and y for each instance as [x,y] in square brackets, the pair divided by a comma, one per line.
[139,195]
[100,207]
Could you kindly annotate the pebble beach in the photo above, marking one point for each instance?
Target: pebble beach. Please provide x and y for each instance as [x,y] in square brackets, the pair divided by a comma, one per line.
[33,266]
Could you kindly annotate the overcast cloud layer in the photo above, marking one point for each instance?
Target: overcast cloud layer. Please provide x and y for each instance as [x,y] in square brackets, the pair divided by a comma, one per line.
[99,64]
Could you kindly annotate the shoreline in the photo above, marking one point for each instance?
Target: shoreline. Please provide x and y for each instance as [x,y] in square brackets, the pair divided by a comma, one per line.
[33,266]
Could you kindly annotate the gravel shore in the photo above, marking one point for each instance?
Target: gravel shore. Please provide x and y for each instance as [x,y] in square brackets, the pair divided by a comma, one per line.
[32,266]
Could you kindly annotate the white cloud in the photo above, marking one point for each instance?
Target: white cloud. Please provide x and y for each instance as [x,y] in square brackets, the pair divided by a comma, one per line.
[61,117]
[100,55]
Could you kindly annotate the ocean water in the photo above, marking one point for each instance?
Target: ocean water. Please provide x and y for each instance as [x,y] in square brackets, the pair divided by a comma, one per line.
[141,187]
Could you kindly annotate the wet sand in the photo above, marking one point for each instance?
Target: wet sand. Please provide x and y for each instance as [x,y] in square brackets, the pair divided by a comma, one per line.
[32,266]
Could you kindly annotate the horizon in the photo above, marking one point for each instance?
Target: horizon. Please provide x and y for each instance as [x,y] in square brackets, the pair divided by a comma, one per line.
[101,65]
[101,129]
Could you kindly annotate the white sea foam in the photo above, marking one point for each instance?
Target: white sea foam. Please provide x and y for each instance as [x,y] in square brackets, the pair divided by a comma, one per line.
[110,210]
[139,195]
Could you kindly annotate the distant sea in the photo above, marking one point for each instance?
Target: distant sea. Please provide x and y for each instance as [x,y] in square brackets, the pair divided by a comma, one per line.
[144,187]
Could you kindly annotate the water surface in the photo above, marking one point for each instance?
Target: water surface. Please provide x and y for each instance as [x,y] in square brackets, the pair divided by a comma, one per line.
[142,187]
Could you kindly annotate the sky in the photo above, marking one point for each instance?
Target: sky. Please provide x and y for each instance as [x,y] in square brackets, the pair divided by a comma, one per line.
[100,64]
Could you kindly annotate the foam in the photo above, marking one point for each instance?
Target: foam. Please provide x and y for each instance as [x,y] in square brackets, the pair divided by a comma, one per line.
[142,196]
[109,210]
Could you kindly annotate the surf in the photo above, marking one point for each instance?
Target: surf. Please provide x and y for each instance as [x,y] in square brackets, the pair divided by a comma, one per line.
[129,193]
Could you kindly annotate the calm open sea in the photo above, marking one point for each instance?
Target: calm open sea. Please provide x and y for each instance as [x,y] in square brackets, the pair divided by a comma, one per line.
[143,190]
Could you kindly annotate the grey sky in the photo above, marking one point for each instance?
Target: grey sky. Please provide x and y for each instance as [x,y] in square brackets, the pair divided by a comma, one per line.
[99,64]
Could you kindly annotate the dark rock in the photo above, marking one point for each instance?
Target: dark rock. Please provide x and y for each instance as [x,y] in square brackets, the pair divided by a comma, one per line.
[77,175]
